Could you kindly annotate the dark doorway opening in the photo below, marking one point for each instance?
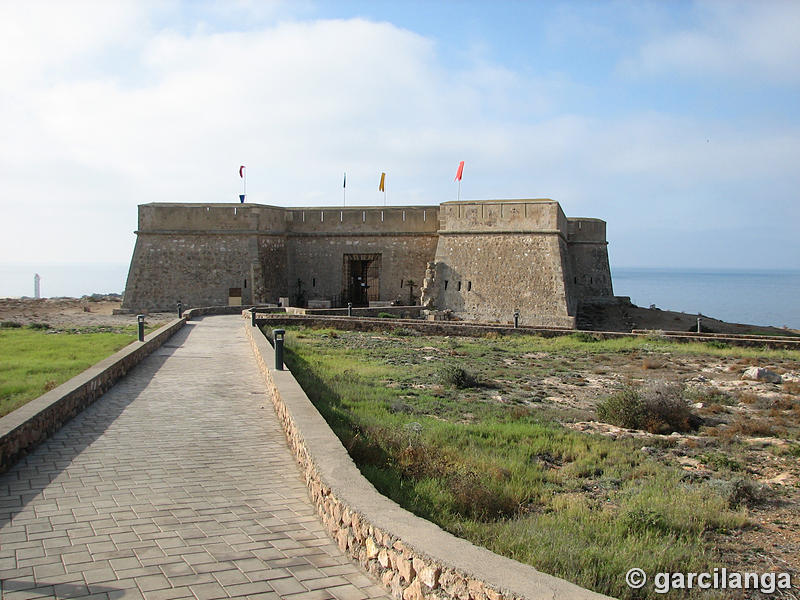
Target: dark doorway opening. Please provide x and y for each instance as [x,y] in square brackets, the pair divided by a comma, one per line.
[362,278]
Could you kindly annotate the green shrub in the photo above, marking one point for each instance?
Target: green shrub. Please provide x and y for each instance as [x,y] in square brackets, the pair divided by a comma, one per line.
[455,376]
[10,325]
[657,407]
[39,326]
[386,315]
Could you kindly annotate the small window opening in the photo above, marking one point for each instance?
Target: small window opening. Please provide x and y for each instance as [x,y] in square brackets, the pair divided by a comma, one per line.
[404,216]
[445,284]
[469,286]
[363,216]
[575,279]
[304,216]
[313,282]
[341,216]
[401,283]
[424,214]
[321,216]
[245,284]
[459,286]
[381,216]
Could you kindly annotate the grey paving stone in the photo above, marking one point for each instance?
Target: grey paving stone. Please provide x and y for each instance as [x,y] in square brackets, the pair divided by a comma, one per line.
[155,491]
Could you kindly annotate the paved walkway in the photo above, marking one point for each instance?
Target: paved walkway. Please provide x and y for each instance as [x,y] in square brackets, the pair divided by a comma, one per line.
[177,483]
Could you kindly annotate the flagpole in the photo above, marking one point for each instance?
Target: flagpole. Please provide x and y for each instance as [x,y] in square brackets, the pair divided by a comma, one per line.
[459,190]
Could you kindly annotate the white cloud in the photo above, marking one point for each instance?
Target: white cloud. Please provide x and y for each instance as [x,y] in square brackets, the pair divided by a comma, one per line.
[755,40]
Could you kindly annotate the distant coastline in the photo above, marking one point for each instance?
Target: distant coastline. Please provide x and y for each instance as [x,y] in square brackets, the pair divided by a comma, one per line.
[759,297]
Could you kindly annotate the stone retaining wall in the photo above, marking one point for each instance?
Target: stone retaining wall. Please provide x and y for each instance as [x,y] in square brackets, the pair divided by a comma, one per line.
[30,424]
[413,558]
[464,328]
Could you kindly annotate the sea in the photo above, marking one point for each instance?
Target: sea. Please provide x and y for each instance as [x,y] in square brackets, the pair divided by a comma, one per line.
[738,296]
[741,296]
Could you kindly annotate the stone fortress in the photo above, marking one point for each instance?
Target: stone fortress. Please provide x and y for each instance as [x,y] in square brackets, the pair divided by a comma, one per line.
[476,260]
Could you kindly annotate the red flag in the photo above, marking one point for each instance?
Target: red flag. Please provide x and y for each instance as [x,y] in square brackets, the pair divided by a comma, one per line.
[460,171]
[241,171]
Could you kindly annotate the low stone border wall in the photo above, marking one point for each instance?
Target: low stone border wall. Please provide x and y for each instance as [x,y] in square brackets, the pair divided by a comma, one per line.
[407,312]
[193,313]
[32,423]
[463,328]
[413,558]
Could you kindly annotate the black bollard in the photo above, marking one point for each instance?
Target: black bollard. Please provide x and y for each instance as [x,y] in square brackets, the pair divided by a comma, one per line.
[277,336]
[349,309]
[253,316]
[516,319]
[140,319]
[180,309]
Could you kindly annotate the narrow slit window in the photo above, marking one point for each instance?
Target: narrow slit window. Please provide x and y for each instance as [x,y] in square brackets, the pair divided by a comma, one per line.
[363,216]
[321,216]
[424,215]
[404,216]
[469,286]
[445,284]
[341,216]
[313,282]
[245,284]
[304,216]
[459,286]
[381,216]
[401,283]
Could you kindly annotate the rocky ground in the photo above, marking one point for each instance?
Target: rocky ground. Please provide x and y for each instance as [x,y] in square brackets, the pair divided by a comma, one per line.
[748,443]
[72,312]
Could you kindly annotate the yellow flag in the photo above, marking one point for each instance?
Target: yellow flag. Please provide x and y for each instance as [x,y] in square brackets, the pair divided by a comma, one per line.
[381,187]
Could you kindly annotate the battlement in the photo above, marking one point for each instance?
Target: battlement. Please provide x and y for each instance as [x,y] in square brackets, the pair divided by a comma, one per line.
[266,219]
[362,220]
[586,230]
[541,216]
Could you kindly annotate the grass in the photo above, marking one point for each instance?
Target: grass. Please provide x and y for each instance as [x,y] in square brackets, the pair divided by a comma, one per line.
[36,360]
[503,475]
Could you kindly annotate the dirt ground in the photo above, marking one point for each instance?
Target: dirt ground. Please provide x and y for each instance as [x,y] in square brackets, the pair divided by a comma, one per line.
[71,312]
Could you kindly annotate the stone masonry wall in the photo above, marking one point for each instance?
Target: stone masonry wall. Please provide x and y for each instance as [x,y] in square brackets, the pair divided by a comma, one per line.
[589,272]
[413,558]
[197,269]
[318,261]
[497,257]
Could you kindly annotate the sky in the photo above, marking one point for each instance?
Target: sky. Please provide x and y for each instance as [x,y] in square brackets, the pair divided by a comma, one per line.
[678,123]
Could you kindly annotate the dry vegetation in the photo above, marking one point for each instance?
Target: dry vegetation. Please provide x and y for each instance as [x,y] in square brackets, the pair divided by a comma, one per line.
[510,441]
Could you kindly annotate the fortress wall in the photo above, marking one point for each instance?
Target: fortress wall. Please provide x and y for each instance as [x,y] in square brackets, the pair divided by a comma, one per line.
[269,273]
[321,258]
[363,220]
[505,255]
[210,217]
[499,273]
[589,270]
[196,269]
[503,215]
